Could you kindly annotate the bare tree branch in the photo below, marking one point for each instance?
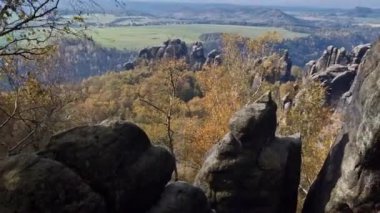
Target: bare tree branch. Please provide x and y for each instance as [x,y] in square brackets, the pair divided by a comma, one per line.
[11,116]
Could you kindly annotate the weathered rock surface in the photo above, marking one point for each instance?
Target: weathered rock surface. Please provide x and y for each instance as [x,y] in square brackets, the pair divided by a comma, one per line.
[337,79]
[117,161]
[177,49]
[337,69]
[250,169]
[181,197]
[214,57]
[197,56]
[286,68]
[31,184]
[350,178]
[171,49]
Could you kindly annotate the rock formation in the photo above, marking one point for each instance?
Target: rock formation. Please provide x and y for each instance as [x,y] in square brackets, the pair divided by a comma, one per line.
[359,52]
[181,197]
[250,169]
[118,161]
[111,167]
[214,57]
[197,57]
[286,68]
[31,184]
[171,49]
[177,49]
[350,178]
[337,69]
[129,66]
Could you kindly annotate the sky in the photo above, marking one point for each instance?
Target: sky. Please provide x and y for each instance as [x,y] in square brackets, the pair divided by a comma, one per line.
[308,3]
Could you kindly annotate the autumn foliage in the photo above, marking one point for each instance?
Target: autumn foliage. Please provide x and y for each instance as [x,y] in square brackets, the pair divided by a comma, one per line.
[187,111]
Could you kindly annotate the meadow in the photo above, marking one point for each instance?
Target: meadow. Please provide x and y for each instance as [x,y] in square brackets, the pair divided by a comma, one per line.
[137,37]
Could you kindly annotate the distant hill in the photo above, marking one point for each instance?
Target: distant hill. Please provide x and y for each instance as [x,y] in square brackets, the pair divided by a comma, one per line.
[214,13]
[363,12]
[259,16]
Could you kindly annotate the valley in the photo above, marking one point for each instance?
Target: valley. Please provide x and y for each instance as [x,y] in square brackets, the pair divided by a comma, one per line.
[138,37]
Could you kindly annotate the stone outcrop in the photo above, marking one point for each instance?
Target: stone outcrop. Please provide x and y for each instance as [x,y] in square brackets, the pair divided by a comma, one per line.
[117,160]
[337,69]
[337,79]
[129,66]
[214,57]
[359,52]
[171,49]
[31,184]
[181,197]
[177,49]
[197,56]
[107,168]
[286,68]
[250,169]
[350,178]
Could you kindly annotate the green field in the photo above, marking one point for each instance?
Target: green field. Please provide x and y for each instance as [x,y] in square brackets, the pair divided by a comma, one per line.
[137,37]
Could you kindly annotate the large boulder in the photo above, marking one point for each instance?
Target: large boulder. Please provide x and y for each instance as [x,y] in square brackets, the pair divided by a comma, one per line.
[350,178]
[117,160]
[250,169]
[181,197]
[31,184]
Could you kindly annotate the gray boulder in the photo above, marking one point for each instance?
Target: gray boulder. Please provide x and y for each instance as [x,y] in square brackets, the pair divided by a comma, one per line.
[181,197]
[359,52]
[350,178]
[117,160]
[250,169]
[31,184]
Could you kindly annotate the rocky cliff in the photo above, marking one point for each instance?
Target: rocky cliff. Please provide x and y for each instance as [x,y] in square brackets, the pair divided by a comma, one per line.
[350,178]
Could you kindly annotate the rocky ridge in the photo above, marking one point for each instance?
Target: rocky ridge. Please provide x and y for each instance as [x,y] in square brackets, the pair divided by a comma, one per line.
[350,178]
[337,69]
[177,49]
